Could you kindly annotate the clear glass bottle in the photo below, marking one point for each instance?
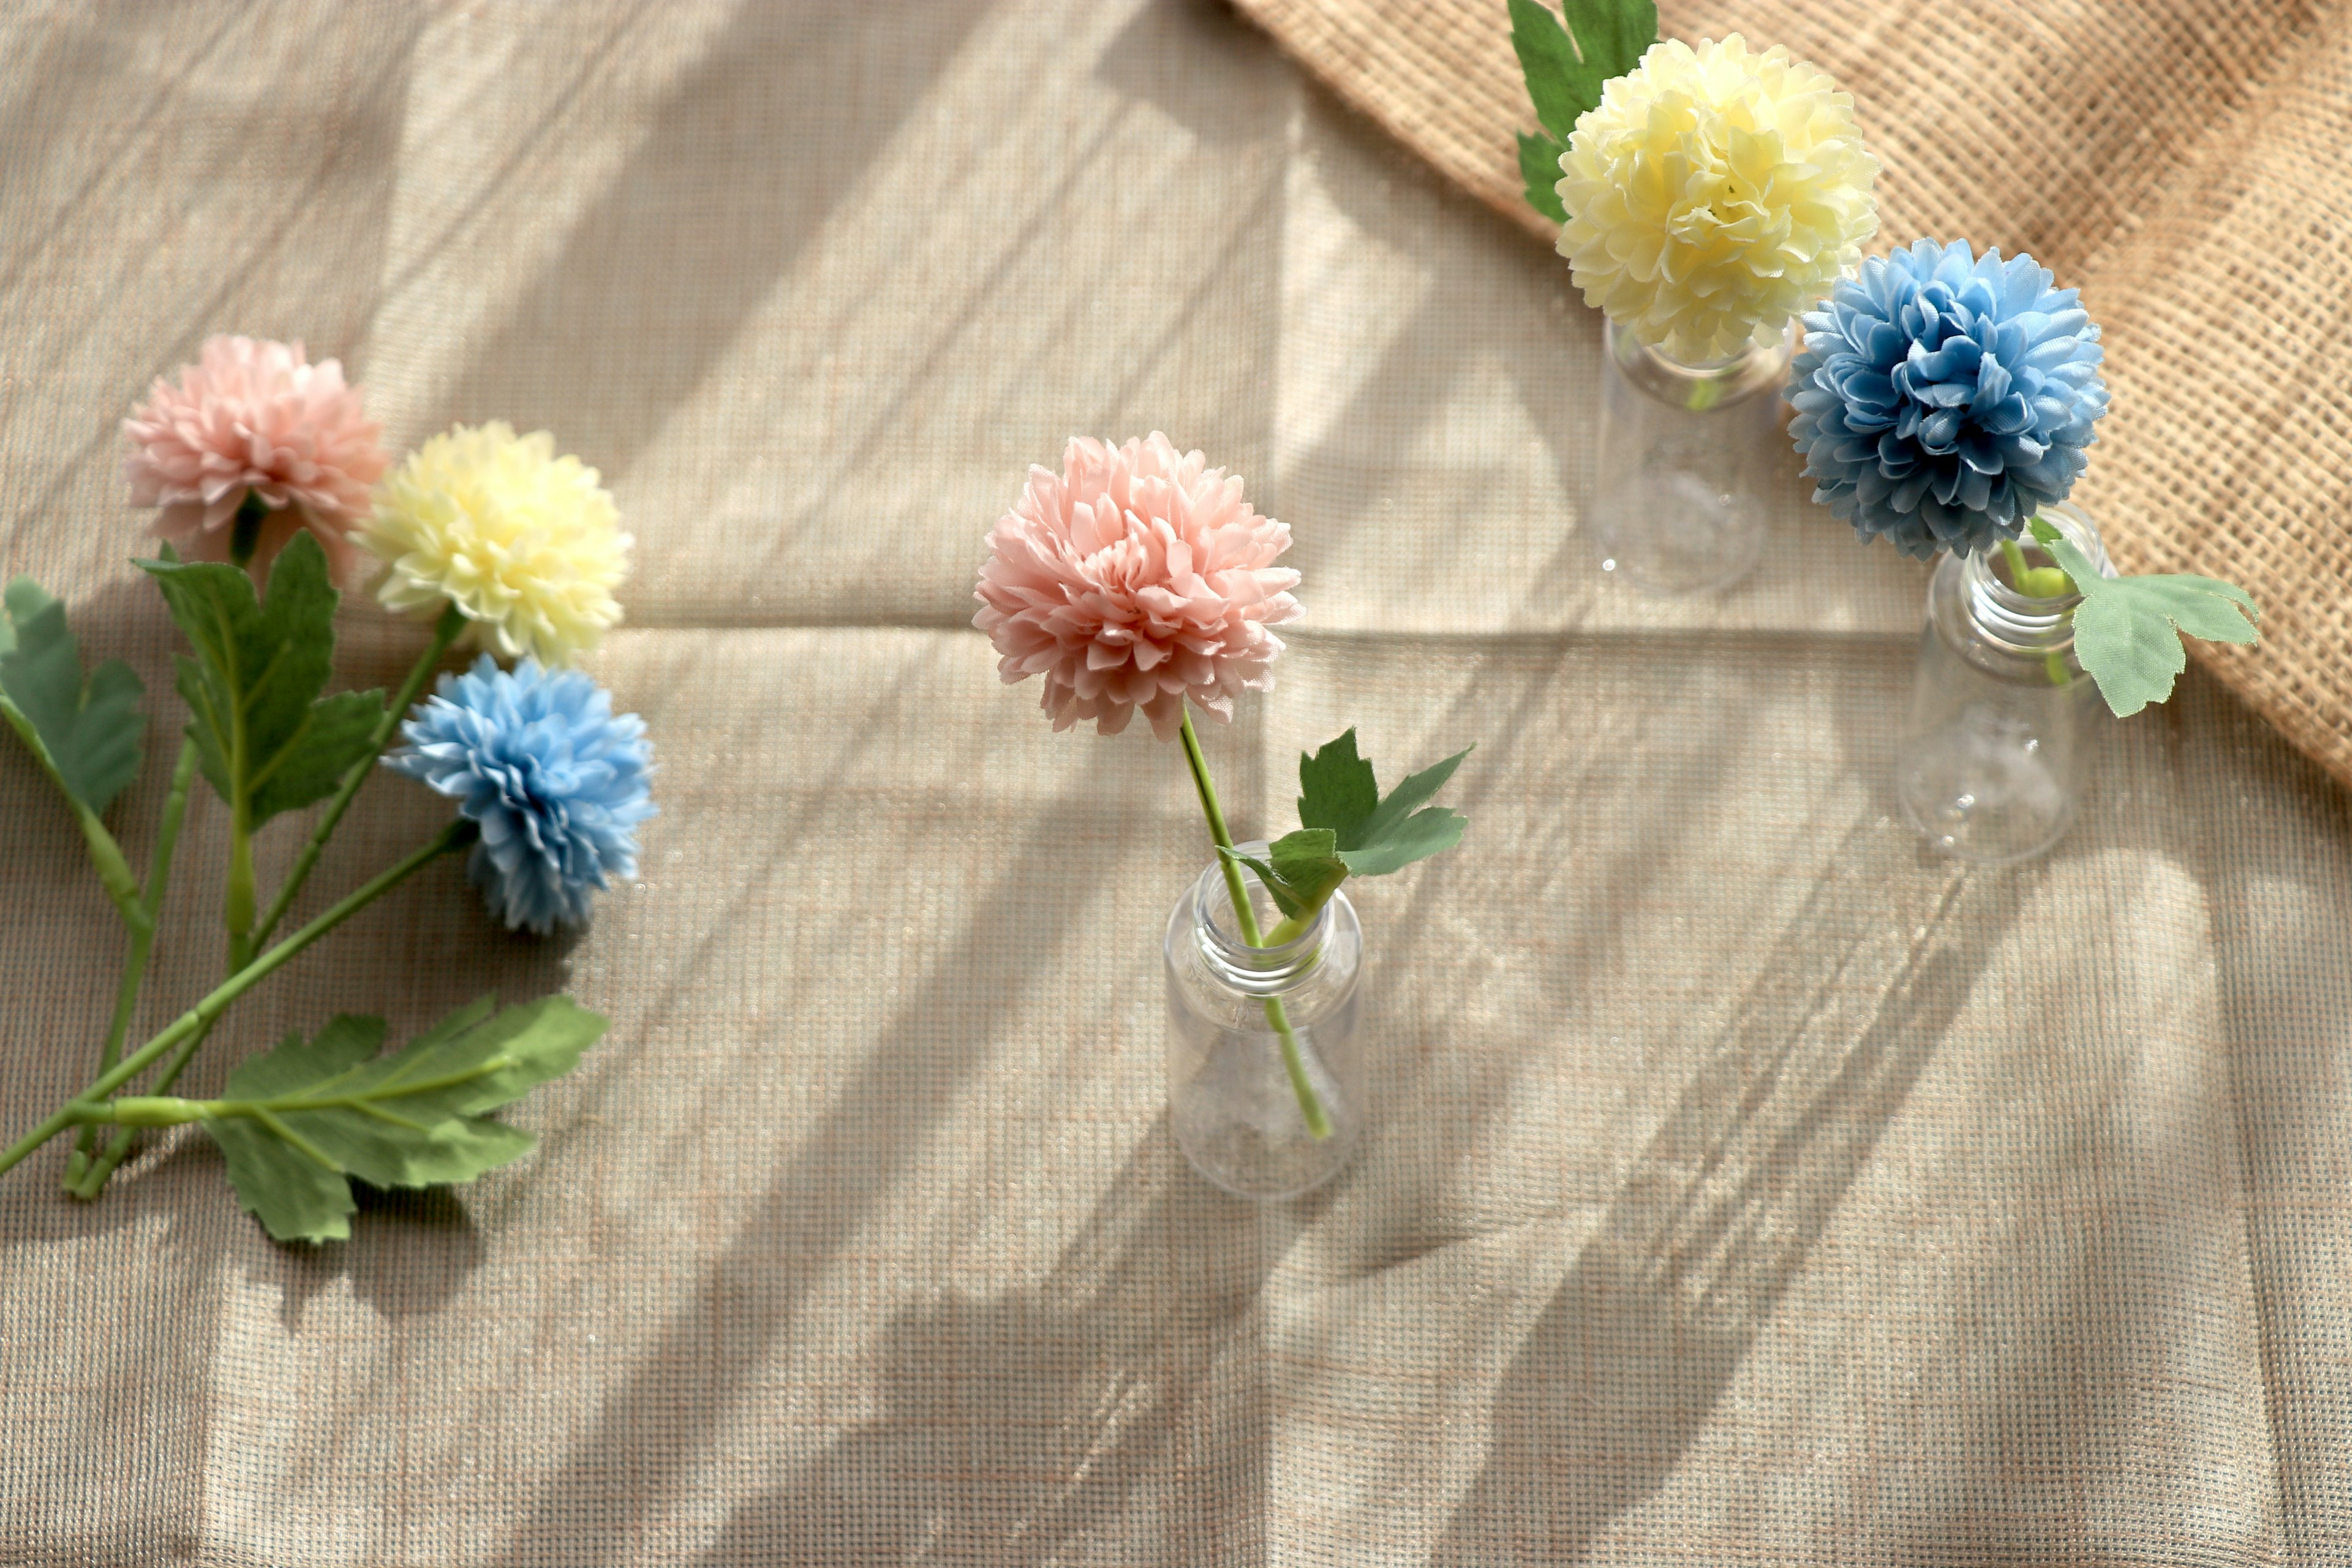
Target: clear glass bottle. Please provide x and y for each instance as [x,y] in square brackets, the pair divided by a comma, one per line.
[2003,721]
[1236,1113]
[1689,454]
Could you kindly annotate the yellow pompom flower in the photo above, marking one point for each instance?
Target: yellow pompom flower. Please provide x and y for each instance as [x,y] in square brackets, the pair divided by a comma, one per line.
[1714,191]
[526,545]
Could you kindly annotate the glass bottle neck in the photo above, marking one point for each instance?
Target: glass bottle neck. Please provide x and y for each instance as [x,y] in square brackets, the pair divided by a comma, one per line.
[1257,971]
[2000,612]
[1697,386]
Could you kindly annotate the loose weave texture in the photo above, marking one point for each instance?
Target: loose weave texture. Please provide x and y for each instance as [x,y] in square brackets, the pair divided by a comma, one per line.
[1742,1185]
[2182,161]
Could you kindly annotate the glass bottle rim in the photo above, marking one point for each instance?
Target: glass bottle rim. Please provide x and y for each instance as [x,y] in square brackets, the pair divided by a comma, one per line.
[1700,385]
[1235,961]
[2018,622]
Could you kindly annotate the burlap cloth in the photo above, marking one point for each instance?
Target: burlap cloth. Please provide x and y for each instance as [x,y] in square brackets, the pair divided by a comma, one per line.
[2184,161]
[1745,1186]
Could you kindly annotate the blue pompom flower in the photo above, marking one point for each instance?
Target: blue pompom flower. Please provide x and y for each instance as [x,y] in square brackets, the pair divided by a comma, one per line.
[557,782]
[1942,398]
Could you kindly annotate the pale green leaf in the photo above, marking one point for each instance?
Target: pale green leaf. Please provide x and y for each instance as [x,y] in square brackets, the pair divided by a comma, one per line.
[263,735]
[1401,802]
[1417,838]
[299,1120]
[87,732]
[1309,865]
[341,730]
[2127,630]
[1301,870]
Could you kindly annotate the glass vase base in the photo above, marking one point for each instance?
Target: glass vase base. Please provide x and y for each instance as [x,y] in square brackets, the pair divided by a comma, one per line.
[1980,790]
[1242,1129]
[1670,531]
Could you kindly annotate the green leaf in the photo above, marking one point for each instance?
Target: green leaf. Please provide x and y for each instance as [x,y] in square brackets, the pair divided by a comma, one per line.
[1566,65]
[86,732]
[1308,864]
[1336,789]
[2127,630]
[1614,34]
[1553,66]
[1301,870]
[1284,899]
[1372,836]
[1402,802]
[1417,838]
[264,736]
[296,1122]
[1539,166]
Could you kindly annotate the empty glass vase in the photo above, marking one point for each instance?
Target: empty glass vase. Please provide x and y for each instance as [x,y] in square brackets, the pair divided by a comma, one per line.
[1688,457]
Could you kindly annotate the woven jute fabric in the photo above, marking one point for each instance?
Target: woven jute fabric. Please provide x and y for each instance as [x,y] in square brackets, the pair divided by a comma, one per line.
[2182,162]
[1742,1184]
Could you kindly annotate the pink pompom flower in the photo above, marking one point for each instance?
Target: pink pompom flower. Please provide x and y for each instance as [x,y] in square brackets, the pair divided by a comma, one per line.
[1136,578]
[253,417]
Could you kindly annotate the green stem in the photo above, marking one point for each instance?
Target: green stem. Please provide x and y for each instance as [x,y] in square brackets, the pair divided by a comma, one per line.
[1289,929]
[113,870]
[2038,583]
[245,533]
[1310,1104]
[2034,582]
[143,940]
[236,909]
[237,901]
[1242,910]
[91,1181]
[87,1106]
[444,632]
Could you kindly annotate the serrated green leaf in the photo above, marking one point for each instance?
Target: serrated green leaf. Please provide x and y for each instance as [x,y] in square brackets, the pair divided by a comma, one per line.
[1372,836]
[1417,838]
[1567,61]
[263,735]
[1400,803]
[1539,167]
[86,732]
[341,731]
[1613,34]
[296,1122]
[1336,789]
[2127,630]
[1552,65]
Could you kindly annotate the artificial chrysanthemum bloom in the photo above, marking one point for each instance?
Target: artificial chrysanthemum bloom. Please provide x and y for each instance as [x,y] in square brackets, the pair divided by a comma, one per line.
[1943,399]
[1714,191]
[556,780]
[253,417]
[526,545]
[1136,578]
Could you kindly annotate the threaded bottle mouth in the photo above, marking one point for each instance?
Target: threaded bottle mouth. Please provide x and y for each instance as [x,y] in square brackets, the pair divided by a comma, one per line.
[1259,971]
[1699,384]
[2014,620]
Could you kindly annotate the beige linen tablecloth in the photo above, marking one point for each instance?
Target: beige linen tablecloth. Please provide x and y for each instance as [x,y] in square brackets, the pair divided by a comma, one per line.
[1746,1186]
